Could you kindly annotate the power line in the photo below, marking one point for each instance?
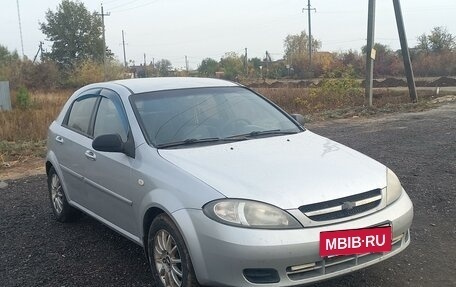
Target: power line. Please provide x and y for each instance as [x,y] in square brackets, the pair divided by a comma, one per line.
[123,4]
[109,1]
[135,7]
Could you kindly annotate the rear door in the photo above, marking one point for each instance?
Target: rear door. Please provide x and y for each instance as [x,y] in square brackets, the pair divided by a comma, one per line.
[70,141]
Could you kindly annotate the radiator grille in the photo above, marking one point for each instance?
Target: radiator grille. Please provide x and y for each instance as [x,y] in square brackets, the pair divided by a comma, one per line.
[343,207]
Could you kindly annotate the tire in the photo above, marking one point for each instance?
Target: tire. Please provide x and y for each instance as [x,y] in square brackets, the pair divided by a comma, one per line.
[168,256]
[63,212]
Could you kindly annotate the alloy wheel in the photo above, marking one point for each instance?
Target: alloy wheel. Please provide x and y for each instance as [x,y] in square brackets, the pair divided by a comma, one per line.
[56,193]
[167,259]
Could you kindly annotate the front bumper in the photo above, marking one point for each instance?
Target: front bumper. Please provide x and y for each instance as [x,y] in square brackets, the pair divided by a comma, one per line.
[220,253]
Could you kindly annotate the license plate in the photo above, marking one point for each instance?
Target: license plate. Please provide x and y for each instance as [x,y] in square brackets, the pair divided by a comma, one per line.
[355,241]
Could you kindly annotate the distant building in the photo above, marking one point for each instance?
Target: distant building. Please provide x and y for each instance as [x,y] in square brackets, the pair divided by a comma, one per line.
[138,71]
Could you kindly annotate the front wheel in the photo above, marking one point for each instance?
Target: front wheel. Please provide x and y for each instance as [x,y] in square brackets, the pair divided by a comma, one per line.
[168,256]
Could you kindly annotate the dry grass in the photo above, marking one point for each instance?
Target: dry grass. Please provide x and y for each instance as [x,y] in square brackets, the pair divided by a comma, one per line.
[31,124]
[307,101]
[23,131]
[317,105]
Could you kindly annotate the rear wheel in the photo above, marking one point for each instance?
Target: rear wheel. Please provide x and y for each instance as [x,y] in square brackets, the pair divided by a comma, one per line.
[63,212]
[168,256]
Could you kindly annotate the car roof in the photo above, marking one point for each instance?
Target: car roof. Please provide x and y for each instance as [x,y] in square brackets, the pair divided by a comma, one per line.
[143,85]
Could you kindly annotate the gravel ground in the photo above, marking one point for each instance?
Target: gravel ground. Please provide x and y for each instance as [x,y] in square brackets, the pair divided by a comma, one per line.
[35,250]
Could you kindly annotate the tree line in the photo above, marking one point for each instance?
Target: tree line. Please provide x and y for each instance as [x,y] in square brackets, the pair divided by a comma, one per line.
[434,55]
[76,57]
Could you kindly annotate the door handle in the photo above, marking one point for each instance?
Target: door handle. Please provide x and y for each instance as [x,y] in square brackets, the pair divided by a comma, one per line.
[59,139]
[90,155]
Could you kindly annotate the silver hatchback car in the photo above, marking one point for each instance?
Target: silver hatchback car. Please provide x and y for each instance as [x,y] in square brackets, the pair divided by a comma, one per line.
[220,186]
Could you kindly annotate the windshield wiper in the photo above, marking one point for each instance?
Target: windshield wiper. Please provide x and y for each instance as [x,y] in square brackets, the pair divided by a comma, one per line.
[192,141]
[242,137]
[265,132]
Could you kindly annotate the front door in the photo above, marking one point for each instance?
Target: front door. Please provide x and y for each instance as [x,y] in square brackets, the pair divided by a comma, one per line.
[110,172]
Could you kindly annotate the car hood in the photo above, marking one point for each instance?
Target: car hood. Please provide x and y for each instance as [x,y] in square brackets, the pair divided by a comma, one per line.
[286,171]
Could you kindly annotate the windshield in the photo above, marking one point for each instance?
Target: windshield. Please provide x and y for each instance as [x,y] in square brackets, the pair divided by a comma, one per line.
[208,115]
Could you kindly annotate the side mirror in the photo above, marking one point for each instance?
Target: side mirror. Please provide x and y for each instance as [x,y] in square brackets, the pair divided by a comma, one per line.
[108,143]
[299,118]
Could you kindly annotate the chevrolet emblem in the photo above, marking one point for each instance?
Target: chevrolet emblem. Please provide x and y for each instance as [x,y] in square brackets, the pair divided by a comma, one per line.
[348,205]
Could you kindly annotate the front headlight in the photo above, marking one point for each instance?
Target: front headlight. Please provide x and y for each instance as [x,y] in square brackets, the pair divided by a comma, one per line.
[250,214]
[393,187]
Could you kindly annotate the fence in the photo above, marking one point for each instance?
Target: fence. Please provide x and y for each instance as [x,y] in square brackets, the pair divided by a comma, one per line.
[5,99]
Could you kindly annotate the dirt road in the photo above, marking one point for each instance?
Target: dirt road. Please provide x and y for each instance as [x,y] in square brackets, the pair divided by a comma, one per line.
[35,250]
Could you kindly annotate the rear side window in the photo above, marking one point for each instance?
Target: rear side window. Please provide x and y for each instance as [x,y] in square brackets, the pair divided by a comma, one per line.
[81,111]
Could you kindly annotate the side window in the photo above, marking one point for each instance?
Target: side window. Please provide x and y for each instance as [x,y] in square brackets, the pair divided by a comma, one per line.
[108,120]
[81,111]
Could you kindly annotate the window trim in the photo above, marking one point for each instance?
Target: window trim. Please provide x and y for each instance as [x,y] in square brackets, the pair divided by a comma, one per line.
[92,93]
[120,108]
[115,97]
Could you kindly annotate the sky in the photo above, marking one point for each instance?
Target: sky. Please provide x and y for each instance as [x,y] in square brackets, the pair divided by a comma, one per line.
[173,29]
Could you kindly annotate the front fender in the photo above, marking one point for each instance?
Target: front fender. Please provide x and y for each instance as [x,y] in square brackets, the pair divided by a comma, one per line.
[162,199]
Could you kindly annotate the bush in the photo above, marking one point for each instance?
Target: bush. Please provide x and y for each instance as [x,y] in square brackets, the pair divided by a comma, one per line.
[330,94]
[333,93]
[435,65]
[23,98]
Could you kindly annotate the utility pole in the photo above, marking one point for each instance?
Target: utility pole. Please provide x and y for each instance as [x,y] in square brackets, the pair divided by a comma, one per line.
[246,68]
[123,44]
[370,54]
[104,40]
[40,50]
[309,9]
[20,27]
[145,66]
[186,64]
[268,59]
[153,66]
[405,51]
